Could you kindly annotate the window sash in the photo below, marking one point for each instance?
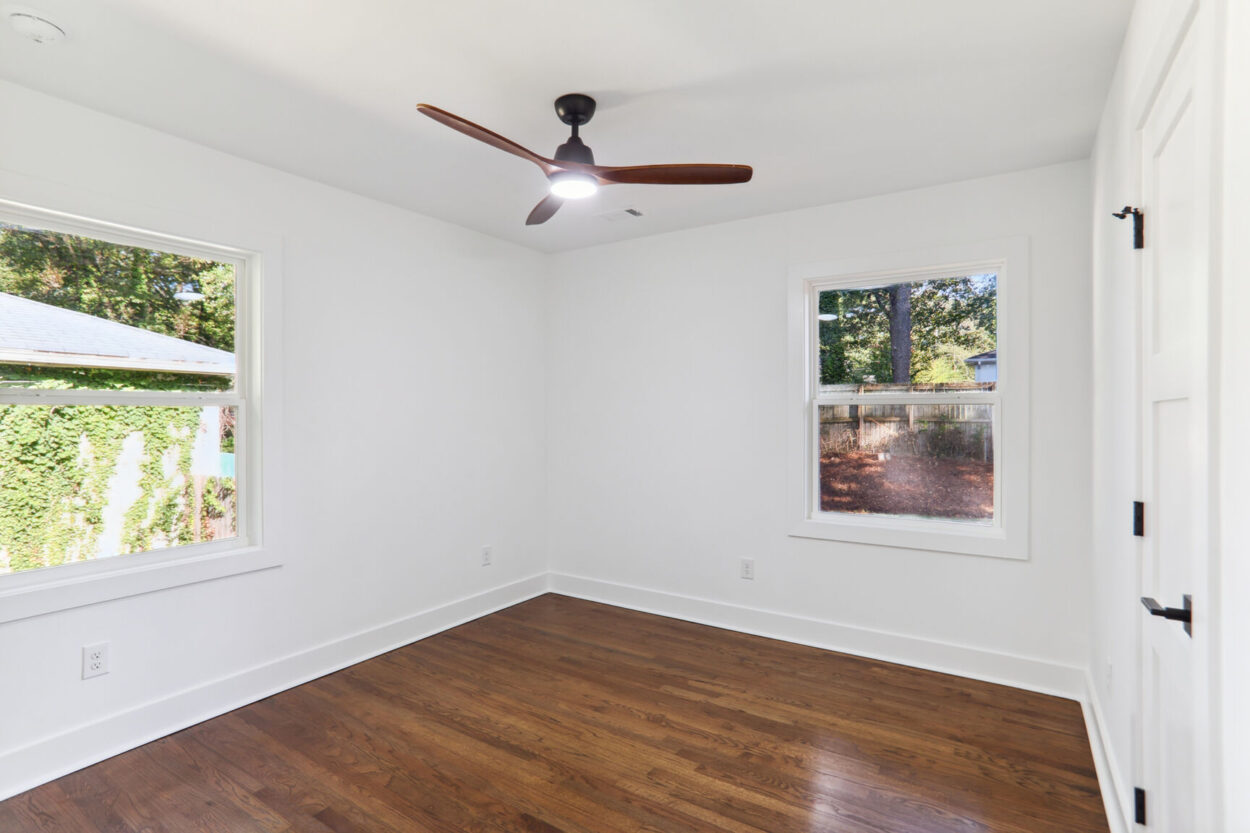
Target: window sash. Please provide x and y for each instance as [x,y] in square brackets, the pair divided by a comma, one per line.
[246,306]
[816,399]
[970,398]
[244,396]
[28,396]
[814,512]
[872,280]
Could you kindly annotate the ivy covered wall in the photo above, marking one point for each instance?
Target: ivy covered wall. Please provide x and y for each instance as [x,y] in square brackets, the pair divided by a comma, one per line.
[60,467]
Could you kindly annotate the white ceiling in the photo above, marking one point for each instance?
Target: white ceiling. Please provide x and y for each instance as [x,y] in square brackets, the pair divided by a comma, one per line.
[828,99]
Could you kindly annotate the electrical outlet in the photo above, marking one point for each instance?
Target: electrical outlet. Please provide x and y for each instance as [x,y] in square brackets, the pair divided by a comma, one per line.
[486,557]
[95,660]
[748,569]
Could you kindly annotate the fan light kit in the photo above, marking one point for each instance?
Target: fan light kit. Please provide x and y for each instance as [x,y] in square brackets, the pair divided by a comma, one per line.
[572,173]
[32,25]
[568,185]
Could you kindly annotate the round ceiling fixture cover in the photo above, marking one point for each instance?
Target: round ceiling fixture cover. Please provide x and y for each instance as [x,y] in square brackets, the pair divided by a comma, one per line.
[33,26]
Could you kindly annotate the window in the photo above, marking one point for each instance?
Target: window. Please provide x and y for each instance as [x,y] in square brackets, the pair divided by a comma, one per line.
[908,378]
[124,395]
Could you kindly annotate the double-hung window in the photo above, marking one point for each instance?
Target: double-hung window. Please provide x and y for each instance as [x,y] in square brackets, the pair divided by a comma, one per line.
[914,402]
[125,395]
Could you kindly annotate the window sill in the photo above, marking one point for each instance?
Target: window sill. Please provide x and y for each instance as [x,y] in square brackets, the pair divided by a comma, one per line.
[23,595]
[904,533]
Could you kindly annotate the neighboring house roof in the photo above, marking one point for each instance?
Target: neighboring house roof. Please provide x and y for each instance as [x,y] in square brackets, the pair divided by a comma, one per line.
[41,334]
[988,357]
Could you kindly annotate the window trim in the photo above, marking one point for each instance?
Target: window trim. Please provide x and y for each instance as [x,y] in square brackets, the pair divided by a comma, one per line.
[66,586]
[1008,537]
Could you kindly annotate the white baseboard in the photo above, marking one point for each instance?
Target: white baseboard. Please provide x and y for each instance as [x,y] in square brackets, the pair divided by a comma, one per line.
[1110,776]
[975,663]
[65,752]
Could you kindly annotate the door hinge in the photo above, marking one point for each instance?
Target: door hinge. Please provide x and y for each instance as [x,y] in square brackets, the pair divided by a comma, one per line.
[1139,518]
[1139,805]
[1139,222]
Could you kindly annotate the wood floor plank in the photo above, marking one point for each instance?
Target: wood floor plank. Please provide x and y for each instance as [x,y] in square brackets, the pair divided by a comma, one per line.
[757,727]
[741,729]
[565,716]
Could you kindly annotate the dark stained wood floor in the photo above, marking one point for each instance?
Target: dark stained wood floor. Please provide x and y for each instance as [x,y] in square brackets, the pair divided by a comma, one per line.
[564,716]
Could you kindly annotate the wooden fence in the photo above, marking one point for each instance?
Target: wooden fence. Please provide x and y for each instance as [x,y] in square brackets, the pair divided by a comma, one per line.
[955,430]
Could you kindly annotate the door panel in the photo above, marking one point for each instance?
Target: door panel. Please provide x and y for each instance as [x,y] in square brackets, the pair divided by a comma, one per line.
[1174,443]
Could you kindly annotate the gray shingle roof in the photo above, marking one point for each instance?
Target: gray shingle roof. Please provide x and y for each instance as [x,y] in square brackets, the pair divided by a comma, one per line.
[988,357]
[41,334]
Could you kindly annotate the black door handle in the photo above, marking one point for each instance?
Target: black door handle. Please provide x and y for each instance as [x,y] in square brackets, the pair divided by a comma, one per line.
[1179,614]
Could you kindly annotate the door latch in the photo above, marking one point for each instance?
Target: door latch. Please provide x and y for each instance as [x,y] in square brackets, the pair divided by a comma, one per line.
[1177,614]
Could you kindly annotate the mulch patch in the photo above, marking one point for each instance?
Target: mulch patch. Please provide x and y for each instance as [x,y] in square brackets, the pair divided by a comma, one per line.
[861,482]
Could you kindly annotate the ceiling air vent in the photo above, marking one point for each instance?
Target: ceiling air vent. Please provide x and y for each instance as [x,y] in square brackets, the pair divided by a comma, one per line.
[621,214]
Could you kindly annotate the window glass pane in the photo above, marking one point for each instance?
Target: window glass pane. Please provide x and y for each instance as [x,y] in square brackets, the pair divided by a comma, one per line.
[926,461]
[76,312]
[82,482]
[918,336]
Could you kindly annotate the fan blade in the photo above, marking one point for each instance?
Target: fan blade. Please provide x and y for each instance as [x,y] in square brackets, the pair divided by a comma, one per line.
[544,211]
[675,174]
[490,137]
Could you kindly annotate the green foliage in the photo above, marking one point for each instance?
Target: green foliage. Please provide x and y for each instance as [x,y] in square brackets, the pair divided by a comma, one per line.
[58,461]
[952,319]
[127,284]
[948,439]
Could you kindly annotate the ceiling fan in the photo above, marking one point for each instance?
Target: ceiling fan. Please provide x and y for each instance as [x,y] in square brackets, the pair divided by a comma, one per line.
[573,173]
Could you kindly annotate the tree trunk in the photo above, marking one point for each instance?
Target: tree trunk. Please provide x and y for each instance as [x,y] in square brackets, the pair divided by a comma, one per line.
[900,333]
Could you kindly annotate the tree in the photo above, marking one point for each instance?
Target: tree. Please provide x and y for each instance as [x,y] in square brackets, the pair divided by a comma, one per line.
[127,284]
[907,333]
[898,310]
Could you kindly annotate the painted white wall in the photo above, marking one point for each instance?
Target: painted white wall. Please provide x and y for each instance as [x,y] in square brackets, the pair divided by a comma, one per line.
[413,425]
[668,419]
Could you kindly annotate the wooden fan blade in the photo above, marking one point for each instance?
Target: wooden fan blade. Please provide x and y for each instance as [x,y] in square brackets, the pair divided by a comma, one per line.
[490,137]
[674,174]
[543,212]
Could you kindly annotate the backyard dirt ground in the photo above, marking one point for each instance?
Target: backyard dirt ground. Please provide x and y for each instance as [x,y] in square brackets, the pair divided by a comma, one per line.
[858,481]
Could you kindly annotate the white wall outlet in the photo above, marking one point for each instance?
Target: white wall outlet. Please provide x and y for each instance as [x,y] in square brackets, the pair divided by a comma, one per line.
[95,660]
[486,557]
[748,569]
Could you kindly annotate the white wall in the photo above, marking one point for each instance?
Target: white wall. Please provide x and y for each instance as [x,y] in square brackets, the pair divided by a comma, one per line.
[413,433]
[668,419]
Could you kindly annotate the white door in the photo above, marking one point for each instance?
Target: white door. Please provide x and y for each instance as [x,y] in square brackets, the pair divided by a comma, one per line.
[1174,446]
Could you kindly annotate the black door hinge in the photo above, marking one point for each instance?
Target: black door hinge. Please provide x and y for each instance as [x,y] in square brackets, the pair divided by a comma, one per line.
[1139,805]
[1139,518]
[1139,222]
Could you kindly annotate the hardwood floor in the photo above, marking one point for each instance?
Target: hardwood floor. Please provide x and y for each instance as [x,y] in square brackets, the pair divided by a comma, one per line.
[564,716]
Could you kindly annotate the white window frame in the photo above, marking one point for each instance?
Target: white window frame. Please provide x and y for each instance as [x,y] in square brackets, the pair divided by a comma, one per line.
[1008,535]
[65,586]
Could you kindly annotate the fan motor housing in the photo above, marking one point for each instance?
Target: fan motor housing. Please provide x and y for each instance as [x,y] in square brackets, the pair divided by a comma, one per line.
[575,150]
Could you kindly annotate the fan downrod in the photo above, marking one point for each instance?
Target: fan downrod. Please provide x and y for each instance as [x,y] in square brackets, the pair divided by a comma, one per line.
[575,109]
